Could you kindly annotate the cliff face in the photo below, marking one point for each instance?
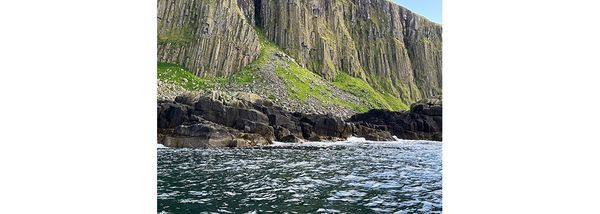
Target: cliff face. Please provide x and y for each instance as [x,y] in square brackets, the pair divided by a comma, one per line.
[210,37]
[392,48]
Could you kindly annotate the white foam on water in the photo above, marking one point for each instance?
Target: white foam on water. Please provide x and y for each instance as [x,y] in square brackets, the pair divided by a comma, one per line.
[414,141]
[160,146]
[352,140]
[356,139]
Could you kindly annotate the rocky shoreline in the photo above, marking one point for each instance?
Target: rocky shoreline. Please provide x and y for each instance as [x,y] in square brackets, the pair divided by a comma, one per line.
[217,119]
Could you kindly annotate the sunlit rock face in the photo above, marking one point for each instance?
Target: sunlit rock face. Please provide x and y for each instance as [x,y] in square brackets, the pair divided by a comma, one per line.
[393,49]
[210,37]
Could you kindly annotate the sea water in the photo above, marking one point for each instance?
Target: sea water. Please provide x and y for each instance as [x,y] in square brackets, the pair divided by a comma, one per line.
[355,176]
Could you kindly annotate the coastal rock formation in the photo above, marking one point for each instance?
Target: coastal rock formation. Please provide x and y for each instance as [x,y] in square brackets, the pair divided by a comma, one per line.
[312,63]
[246,120]
[211,38]
[422,122]
[205,134]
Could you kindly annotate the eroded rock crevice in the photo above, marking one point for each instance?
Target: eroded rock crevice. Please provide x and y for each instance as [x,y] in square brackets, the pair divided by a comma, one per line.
[258,13]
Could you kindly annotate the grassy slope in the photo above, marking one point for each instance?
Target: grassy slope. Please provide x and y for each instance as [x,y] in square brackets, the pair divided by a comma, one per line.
[301,83]
[181,76]
[362,89]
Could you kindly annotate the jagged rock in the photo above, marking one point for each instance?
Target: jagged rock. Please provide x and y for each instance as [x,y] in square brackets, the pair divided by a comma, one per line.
[431,107]
[423,121]
[291,139]
[281,132]
[210,109]
[213,123]
[254,127]
[205,134]
[379,136]
[325,126]
[362,130]
[171,115]
[188,98]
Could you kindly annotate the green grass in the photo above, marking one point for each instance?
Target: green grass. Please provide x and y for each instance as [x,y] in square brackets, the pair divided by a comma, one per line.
[267,48]
[181,76]
[362,89]
[301,83]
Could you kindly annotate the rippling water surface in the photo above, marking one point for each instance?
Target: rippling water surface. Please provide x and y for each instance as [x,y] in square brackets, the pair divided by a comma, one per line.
[355,177]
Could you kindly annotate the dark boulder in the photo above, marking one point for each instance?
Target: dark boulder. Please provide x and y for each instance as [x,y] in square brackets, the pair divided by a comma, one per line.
[189,99]
[325,126]
[210,109]
[378,135]
[254,127]
[291,139]
[171,115]
[281,132]
[216,111]
[206,134]
[371,133]
[202,135]
[422,122]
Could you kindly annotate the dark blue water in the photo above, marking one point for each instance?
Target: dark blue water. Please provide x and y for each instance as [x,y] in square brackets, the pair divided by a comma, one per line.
[356,177]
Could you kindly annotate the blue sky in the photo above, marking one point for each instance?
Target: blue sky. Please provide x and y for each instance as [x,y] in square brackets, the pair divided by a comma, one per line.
[432,9]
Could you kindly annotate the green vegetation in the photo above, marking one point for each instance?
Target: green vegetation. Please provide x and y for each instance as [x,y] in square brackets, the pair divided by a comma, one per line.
[365,92]
[181,76]
[300,82]
[267,48]
[425,41]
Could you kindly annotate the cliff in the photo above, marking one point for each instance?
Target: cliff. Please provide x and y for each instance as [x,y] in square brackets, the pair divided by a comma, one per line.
[210,37]
[373,51]
[378,41]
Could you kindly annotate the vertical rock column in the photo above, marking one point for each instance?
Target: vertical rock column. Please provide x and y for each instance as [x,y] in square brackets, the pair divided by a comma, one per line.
[393,49]
[209,37]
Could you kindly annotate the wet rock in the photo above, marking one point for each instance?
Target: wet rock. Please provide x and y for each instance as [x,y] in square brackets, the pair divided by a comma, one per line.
[281,132]
[205,134]
[291,139]
[371,133]
[325,125]
[422,122]
[379,136]
[221,120]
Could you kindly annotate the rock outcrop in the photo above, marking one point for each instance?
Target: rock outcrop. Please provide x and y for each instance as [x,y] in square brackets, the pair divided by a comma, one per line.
[422,122]
[219,120]
[215,120]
